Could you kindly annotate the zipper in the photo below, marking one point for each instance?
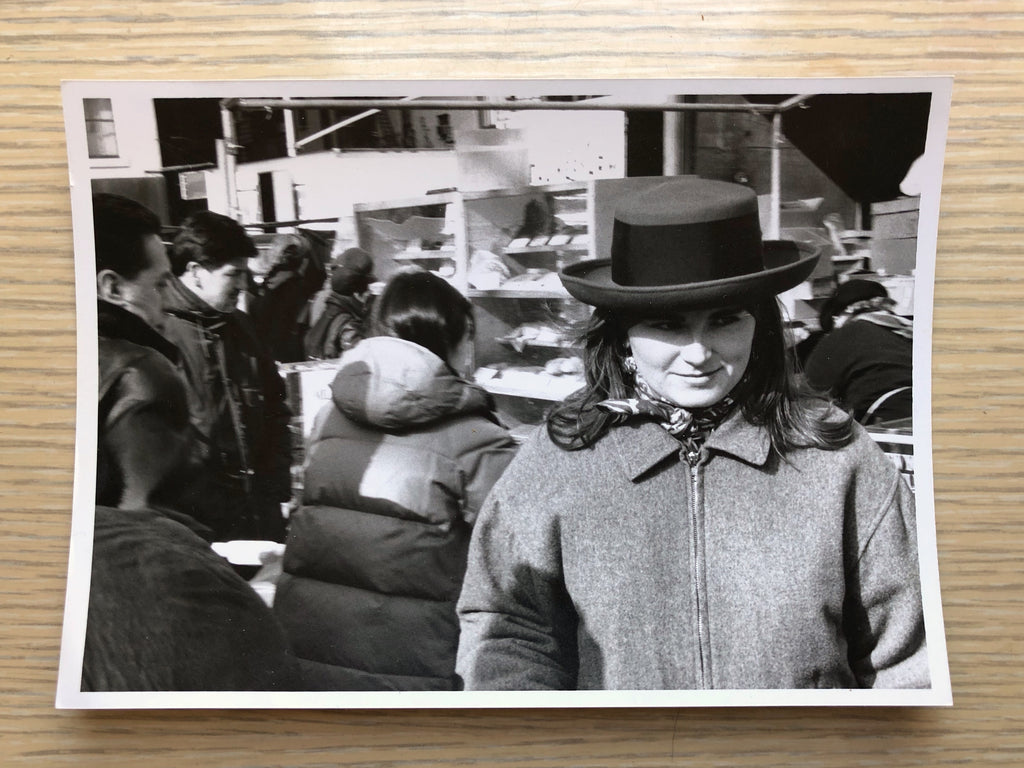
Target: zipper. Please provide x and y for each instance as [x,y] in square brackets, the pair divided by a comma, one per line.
[696,563]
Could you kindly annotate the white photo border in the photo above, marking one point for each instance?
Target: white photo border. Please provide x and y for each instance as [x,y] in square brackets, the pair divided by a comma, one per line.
[69,694]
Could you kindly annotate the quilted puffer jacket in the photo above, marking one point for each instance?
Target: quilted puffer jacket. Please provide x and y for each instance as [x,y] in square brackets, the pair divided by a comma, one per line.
[398,465]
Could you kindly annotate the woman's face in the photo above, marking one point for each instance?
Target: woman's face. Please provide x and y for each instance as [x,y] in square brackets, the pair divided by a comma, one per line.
[694,358]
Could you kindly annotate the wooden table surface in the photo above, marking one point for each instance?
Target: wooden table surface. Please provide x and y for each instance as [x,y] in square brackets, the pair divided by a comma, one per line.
[978,379]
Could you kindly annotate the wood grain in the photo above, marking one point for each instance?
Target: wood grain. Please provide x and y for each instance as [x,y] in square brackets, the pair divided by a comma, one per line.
[978,332]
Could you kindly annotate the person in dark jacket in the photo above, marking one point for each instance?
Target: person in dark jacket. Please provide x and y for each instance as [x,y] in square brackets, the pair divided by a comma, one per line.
[293,272]
[340,323]
[865,358]
[143,432]
[692,519]
[236,397]
[399,463]
[165,612]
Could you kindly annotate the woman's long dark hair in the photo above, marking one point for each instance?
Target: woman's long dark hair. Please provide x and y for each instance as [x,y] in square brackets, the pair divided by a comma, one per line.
[425,309]
[769,392]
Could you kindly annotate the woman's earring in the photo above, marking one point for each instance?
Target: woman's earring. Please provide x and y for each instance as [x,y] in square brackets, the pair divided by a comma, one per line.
[629,364]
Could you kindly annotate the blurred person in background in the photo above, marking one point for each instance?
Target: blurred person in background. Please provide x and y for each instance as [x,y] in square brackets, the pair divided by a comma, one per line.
[398,465]
[865,358]
[236,397]
[292,271]
[339,314]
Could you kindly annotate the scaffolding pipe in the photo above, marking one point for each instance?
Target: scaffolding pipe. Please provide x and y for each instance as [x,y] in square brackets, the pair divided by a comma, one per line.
[673,161]
[228,148]
[289,134]
[341,124]
[504,104]
[672,142]
[776,174]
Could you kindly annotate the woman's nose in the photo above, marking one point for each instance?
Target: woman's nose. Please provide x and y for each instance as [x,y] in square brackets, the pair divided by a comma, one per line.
[694,351]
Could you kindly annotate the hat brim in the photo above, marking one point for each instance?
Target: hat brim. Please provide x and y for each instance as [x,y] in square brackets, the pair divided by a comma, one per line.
[787,264]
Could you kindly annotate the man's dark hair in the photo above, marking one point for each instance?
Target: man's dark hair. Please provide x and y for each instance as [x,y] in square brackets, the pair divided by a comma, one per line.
[120,228]
[211,240]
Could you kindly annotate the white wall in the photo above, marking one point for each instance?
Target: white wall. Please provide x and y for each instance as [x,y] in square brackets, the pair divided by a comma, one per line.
[328,183]
[137,145]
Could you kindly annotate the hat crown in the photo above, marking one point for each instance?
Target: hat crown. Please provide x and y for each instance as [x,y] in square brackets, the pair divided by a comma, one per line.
[687,200]
[686,230]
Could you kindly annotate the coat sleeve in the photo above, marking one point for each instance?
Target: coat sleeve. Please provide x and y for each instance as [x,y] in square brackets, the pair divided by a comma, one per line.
[481,464]
[884,615]
[145,431]
[518,624]
[276,461]
[345,332]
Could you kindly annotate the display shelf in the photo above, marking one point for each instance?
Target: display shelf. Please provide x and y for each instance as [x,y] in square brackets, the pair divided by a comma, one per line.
[536,385]
[543,249]
[424,255]
[513,242]
[512,293]
[562,344]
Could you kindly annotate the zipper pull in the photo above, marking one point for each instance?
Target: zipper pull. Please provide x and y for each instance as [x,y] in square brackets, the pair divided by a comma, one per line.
[692,458]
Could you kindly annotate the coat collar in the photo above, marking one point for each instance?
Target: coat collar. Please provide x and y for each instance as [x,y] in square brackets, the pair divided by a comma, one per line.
[115,322]
[180,301]
[642,444]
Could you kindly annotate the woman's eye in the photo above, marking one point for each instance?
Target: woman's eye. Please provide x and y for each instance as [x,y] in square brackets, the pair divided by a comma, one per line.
[726,319]
[666,325]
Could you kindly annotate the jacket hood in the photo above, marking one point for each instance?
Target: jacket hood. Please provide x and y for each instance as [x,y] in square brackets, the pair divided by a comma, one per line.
[391,383]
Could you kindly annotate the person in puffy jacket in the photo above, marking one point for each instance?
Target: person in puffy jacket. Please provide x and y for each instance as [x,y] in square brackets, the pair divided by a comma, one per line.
[398,464]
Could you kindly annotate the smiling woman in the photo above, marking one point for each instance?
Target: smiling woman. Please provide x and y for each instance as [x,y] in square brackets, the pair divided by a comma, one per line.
[694,359]
[693,518]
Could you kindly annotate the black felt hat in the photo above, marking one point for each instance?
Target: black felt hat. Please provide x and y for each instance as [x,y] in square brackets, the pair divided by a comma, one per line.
[689,243]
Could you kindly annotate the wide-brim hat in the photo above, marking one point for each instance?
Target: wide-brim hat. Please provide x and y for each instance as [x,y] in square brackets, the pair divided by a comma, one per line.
[689,243]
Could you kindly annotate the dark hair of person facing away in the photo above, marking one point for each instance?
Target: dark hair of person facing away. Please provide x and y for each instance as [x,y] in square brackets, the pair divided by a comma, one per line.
[211,240]
[425,309]
[769,392]
[120,228]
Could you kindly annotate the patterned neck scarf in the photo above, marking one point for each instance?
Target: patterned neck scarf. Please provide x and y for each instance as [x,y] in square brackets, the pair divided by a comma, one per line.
[691,427]
[883,317]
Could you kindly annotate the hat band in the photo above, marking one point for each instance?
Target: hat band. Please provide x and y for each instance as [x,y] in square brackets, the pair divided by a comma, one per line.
[677,254]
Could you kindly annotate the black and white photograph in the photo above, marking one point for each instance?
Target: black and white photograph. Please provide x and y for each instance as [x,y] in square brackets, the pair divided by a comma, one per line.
[523,393]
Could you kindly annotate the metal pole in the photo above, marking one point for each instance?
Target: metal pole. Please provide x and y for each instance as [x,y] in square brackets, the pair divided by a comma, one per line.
[776,192]
[230,153]
[672,141]
[289,134]
[497,104]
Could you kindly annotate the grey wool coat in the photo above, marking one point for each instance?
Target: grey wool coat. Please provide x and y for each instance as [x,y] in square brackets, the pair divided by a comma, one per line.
[623,567]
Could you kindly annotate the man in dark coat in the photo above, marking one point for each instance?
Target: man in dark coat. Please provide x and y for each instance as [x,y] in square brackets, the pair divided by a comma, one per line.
[143,431]
[236,397]
[165,611]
